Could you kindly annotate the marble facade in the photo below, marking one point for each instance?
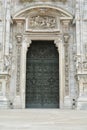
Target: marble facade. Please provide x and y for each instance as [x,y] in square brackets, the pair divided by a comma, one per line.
[64,22]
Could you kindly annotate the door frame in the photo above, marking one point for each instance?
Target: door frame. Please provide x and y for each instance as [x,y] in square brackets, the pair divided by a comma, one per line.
[35,44]
[26,42]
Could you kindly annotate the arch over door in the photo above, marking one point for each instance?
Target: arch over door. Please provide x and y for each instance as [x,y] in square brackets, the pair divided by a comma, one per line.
[42,75]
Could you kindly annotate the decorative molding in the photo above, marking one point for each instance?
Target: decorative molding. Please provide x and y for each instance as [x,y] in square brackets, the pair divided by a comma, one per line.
[42,0]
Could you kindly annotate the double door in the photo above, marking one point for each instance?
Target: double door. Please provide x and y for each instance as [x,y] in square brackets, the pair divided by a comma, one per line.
[42,75]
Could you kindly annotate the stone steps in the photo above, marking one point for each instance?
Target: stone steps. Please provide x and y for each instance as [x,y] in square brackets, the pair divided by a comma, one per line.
[43,119]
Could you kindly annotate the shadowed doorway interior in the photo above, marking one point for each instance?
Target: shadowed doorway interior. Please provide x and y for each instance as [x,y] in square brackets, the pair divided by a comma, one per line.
[42,75]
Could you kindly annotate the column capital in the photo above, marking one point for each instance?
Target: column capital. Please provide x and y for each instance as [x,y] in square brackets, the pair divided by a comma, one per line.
[65,24]
[19,26]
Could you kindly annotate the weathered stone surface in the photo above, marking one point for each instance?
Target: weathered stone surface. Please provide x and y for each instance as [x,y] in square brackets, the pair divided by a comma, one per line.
[37,119]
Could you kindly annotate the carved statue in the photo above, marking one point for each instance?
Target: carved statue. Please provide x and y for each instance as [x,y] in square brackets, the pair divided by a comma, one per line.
[7,63]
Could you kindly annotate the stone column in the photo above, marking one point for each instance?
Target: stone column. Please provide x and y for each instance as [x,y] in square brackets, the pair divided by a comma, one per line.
[66,36]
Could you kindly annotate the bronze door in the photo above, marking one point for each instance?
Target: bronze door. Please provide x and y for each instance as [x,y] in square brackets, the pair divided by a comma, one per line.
[42,75]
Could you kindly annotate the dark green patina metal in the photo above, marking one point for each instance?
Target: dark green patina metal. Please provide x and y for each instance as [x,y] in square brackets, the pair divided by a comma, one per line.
[42,75]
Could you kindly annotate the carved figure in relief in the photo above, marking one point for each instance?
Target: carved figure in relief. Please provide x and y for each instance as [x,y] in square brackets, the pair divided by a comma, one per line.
[7,63]
[79,63]
[42,22]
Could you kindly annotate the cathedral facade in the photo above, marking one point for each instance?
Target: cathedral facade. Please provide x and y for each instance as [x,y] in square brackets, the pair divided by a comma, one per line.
[43,54]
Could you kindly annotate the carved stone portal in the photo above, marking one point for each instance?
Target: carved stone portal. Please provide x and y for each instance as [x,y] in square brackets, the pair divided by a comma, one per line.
[45,20]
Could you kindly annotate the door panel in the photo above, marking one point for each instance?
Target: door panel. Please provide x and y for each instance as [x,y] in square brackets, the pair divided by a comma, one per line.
[42,75]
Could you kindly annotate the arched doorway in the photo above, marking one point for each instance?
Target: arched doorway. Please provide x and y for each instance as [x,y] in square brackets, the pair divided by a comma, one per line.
[42,75]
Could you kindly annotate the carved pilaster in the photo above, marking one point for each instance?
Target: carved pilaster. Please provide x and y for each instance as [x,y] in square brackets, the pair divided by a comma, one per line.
[19,40]
[25,44]
[66,39]
[19,44]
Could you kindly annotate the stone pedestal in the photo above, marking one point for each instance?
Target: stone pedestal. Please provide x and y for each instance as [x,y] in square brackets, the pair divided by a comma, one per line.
[17,102]
[4,103]
[82,103]
[4,90]
[67,103]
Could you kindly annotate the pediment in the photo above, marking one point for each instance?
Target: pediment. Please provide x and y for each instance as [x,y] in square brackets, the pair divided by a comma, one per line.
[42,18]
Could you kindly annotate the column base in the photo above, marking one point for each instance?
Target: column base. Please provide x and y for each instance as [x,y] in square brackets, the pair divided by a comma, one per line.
[17,103]
[4,103]
[67,102]
[82,103]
